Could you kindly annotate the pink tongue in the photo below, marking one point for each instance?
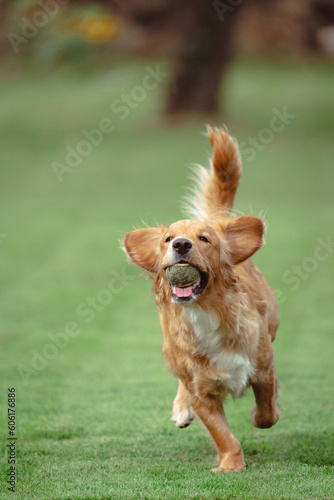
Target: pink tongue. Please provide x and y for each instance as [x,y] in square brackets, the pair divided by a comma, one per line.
[183,292]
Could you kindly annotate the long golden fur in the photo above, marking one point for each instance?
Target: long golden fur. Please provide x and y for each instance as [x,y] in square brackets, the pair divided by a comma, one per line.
[217,333]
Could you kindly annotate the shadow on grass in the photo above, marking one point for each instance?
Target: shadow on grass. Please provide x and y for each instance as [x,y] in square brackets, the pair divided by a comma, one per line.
[310,449]
[63,433]
[305,448]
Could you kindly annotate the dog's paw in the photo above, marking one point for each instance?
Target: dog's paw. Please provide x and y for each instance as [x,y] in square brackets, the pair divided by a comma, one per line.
[232,462]
[265,421]
[218,470]
[182,418]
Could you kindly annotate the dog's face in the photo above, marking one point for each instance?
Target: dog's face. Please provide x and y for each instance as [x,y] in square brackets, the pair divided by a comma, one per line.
[195,243]
[208,247]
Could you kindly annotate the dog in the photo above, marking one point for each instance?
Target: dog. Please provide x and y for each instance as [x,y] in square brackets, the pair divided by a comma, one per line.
[218,331]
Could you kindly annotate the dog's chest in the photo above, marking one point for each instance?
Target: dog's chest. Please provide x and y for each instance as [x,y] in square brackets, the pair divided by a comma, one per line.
[234,368]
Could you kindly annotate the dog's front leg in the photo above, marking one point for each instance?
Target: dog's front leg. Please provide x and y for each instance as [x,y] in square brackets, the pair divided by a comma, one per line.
[183,413]
[266,412]
[211,412]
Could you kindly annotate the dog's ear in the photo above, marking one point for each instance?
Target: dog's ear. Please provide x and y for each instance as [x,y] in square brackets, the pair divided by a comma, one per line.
[143,247]
[244,236]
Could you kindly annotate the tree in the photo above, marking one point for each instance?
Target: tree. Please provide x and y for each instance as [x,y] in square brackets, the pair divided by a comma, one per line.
[203,57]
[204,50]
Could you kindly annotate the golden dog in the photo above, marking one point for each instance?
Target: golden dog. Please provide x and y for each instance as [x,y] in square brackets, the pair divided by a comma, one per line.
[217,332]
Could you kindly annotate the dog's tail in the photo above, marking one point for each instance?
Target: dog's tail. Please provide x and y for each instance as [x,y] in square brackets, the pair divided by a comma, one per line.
[216,187]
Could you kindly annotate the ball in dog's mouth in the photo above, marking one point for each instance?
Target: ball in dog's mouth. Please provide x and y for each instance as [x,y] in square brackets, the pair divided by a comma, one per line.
[186,281]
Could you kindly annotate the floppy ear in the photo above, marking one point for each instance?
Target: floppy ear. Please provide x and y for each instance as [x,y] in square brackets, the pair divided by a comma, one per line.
[244,236]
[143,247]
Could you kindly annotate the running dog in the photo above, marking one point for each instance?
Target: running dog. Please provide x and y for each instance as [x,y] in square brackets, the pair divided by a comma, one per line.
[218,330]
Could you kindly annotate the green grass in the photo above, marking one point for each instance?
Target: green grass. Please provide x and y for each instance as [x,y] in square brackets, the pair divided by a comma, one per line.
[94,422]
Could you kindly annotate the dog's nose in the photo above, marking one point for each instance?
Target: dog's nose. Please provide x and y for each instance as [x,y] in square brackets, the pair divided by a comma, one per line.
[182,245]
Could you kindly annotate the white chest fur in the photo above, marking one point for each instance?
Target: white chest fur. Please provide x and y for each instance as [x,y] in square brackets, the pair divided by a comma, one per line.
[234,368]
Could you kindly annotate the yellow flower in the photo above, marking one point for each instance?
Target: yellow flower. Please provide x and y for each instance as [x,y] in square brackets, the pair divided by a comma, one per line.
[97,29]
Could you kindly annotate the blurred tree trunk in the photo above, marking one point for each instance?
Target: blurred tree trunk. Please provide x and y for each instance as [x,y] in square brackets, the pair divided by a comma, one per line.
[202,59]
[204,53]
[5,46]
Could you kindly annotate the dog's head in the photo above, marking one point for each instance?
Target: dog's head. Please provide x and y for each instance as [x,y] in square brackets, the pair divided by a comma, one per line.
[209,247]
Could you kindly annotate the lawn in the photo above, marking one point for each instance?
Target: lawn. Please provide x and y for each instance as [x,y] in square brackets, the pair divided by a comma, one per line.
[79,333]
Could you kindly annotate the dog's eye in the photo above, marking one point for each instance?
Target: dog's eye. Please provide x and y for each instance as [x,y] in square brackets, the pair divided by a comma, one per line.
[168,239]
[203,238]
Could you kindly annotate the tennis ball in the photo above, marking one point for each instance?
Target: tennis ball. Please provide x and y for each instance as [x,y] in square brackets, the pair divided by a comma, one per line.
[182,275]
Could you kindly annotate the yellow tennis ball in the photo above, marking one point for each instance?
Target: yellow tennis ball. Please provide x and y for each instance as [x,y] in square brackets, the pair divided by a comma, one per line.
[181,275]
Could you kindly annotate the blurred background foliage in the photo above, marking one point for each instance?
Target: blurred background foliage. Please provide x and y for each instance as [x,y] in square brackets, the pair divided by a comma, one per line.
[200,38]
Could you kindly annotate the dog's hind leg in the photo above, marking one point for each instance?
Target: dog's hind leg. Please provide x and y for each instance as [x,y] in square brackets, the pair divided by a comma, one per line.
[183,413]
[266,412]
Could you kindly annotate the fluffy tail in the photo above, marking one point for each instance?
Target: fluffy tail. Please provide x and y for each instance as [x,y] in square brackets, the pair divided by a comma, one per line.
[216,187]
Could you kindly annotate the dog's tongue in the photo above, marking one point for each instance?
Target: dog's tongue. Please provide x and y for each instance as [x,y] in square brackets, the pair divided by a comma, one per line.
[183,292]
